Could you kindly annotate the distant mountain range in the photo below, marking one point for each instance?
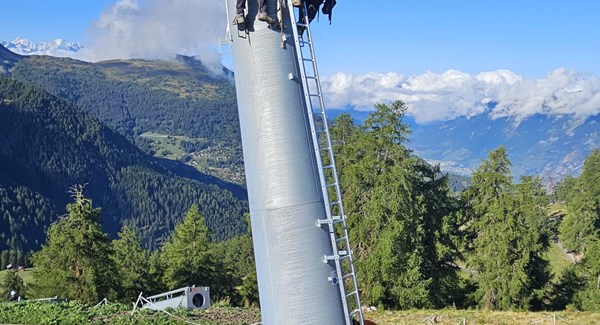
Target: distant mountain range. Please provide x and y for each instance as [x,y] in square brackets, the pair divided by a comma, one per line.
[539,145]
[25,47]
[542,145]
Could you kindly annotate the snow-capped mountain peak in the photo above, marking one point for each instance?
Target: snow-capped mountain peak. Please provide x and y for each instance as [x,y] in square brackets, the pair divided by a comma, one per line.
[54,47]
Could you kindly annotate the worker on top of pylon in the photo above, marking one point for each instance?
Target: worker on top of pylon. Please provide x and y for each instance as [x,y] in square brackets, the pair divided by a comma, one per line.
[312,7]
[263,15]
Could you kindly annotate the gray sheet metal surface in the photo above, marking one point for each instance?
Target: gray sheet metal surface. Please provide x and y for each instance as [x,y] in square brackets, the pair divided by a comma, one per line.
[283,186]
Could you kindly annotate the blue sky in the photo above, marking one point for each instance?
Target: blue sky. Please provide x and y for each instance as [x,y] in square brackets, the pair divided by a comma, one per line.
[409,37]
[528,37]
[445,59]
[41,20]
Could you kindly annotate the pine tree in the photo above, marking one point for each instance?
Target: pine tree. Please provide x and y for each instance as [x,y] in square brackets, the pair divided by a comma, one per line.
[589,297]
[561,292]
[238,270]
[397,208]
[581,225]
[188,256]
[507,247]
[591,175]
[76,261]
[533,202]
[12,282]
[591,262]
[3,259]
[133,265]
[157,272]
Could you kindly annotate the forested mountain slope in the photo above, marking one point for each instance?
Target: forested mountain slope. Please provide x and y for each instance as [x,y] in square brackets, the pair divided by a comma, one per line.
[8,60]
[147,101]
[48,144]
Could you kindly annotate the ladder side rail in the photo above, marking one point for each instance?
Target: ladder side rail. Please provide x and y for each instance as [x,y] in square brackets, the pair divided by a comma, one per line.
[314,135]
[335,176]
[322,176]
[346,241]
[319,94]
[228,36]
[353,272]
[336,182]
[325,125]
[308,103]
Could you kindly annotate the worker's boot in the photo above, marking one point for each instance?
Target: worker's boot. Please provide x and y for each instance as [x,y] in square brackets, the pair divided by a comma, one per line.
[240,21]
[263,16]
[297,3]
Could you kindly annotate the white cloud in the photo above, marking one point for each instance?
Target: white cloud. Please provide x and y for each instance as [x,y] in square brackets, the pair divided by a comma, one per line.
[433,97]
[157,29]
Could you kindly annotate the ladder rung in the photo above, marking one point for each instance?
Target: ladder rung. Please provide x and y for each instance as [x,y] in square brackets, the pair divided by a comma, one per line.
[325,149]
[314,95]
[334,203]
[330,258]
[339,256]
[301,24]
[351,293]
[333,219]
[340,239]
[328,166]
[331,184]
[348,275]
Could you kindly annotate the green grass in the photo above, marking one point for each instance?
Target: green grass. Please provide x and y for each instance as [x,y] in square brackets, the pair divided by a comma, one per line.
[454,317]
[205,160]
[115,313]
[558,260]
[77,313]
[163,143]
[26,275]
[557,209]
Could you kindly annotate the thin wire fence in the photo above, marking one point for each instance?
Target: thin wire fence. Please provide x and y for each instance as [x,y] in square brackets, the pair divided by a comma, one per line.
[481,318]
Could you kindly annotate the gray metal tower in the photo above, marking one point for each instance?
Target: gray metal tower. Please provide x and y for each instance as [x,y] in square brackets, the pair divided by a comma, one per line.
[303,257]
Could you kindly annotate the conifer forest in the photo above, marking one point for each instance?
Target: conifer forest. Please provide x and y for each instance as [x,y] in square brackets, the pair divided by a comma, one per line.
[92,207]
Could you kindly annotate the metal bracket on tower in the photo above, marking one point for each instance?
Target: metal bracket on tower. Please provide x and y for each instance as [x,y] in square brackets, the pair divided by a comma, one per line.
[329,221]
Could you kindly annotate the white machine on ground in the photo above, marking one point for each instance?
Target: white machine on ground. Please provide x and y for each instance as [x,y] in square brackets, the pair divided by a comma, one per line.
[187,297]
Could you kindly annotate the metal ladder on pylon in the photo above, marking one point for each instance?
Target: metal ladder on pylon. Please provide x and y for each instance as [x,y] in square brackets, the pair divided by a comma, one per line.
[335,221]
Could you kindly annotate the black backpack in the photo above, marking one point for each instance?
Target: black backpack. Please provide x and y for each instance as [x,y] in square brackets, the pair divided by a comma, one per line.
[328,8]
